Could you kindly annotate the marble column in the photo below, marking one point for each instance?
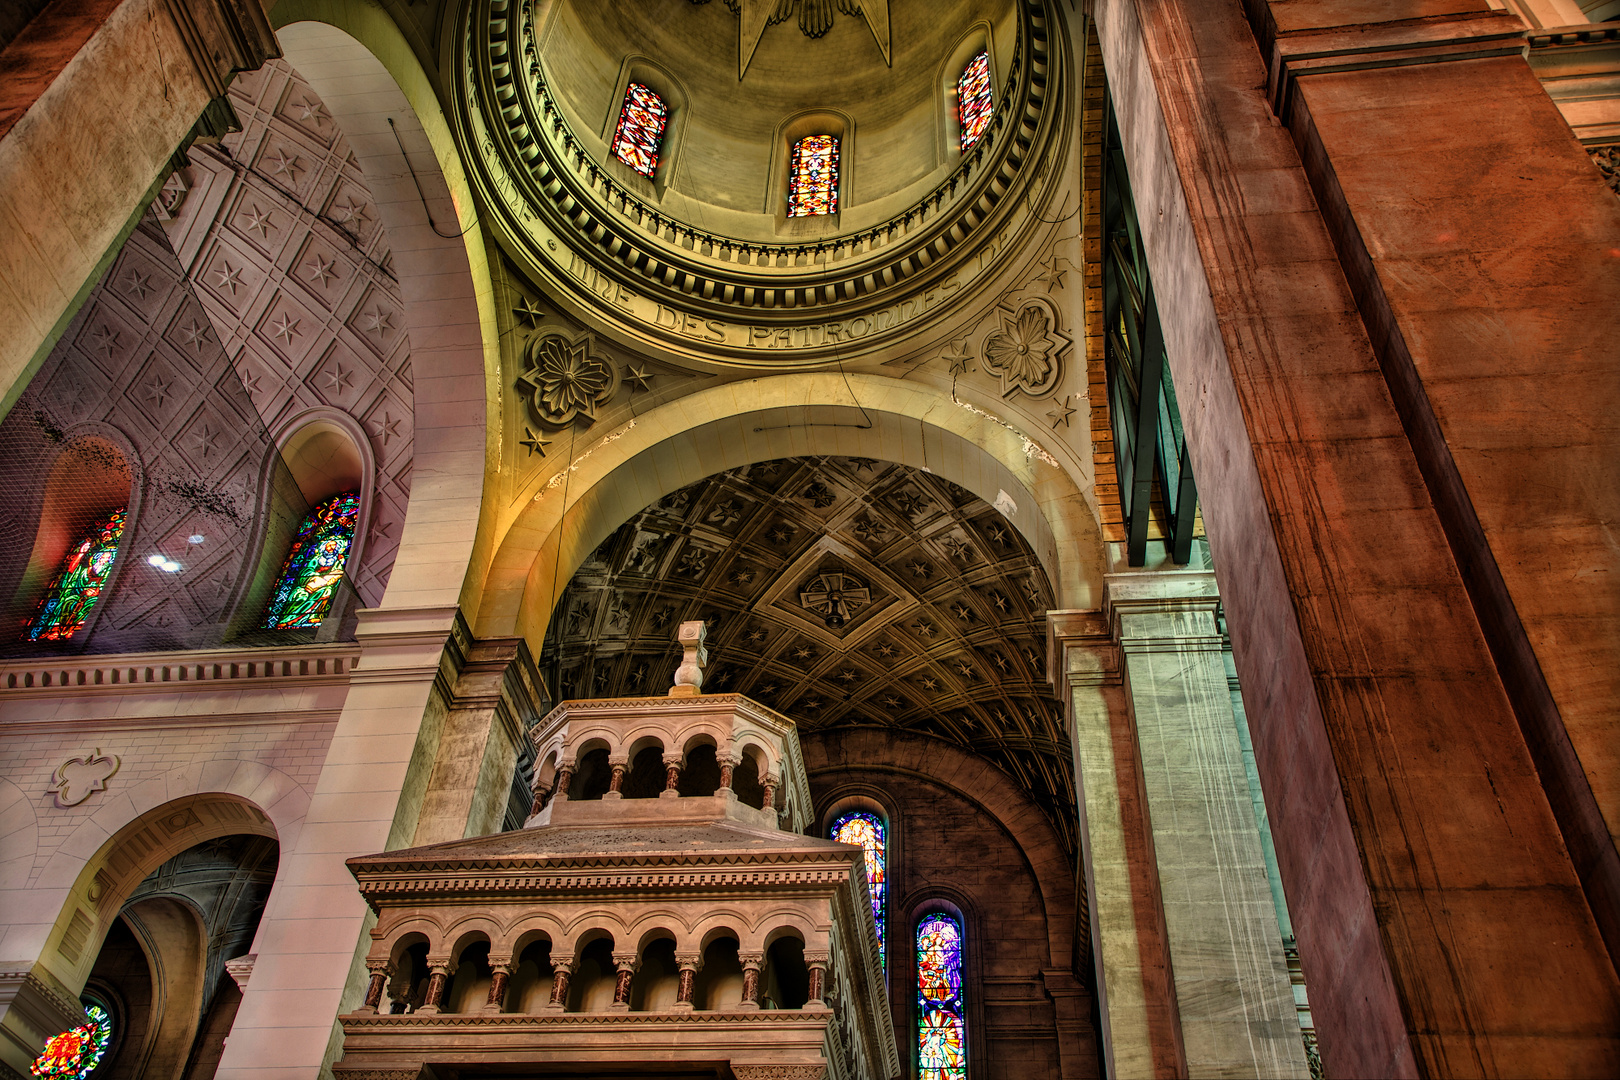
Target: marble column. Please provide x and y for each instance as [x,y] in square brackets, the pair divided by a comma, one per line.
[1234,999]
[1136,1004]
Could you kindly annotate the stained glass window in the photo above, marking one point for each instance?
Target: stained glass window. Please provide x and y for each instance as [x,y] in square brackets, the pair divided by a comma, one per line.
[865,831]
[75,1053]
[813,177]
[641,129]
[78,585]
[973,99]
[941,1017]
[314,565]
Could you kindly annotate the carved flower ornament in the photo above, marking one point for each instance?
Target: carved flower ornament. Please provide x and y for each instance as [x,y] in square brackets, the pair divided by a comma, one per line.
[565,380]
[1024,352]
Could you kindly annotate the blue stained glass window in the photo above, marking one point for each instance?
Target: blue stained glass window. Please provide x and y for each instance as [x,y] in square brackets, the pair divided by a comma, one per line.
[813,177]
[941,1016]
[973,99]
[640,133]
[865,830]
[314,566]
[79,583]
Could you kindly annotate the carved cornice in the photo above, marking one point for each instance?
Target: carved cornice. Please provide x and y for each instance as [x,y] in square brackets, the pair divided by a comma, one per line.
[202,671]
[416,883]
[1464,36]
[582,231]
[753,1018]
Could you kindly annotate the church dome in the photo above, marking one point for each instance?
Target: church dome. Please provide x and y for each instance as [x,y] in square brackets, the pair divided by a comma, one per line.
[701,243]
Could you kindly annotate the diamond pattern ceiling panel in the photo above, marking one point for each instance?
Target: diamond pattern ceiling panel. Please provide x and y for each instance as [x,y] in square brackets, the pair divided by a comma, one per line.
[844,592]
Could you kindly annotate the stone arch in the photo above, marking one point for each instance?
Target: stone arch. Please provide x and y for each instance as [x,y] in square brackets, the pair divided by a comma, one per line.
[981,783]
[801,414]
[81,889]
[365,71]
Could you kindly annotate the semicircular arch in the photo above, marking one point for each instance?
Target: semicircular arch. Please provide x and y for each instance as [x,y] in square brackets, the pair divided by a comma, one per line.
[738,424]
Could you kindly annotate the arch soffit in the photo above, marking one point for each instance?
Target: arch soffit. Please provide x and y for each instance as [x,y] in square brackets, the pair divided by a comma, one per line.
[102,861]
[355,55]
[980,783]
[736,424]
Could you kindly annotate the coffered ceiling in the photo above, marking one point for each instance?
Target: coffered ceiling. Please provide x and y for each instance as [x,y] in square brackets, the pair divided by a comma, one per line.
[844,592]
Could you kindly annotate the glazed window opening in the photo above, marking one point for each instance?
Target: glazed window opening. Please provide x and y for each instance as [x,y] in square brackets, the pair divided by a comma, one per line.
[866,831]
[639,136]
[314,567]
[941,1017]
[78,585]
[813,177]
[973,101]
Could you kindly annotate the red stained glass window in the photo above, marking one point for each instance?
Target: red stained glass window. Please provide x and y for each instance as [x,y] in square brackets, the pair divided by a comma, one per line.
[973,99]
[640,133]
[813,177]
[79,583]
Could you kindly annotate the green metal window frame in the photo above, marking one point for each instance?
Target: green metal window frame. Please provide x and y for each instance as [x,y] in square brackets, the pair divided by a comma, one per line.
[1148,438]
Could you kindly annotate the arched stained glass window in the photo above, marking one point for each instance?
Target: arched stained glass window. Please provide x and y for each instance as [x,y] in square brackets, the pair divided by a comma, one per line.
[640,134]
[973,99]
[941,1017]
[813,177]
[865,830]
[75,1053]
[314,565]
[78,585]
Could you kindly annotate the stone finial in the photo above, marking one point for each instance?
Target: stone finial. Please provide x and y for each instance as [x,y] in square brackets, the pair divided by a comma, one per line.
[689,676]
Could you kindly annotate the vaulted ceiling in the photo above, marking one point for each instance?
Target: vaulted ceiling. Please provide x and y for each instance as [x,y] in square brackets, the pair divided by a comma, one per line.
[844,592]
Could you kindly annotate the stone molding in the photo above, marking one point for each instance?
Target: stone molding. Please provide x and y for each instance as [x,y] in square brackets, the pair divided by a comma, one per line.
[1465,36]
[715,1018]
[167,673]
[485,882]
[223,37]
[543,182]
[47,1008]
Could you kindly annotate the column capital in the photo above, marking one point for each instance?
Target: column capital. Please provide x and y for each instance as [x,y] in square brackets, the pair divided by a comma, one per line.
[689,960]
[1080,650]
[1163,610]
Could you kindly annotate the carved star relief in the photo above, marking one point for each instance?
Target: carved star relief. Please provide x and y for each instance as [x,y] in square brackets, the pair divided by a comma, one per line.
[337,379]
[1053,272]
[1061,414]
[960,360]
[286,328]
[228,277]
[258,221]
[352,211]
[106,340]
[638,377]
[378,321]
[283,164]
[389,428]
[536,442]
[320,270]
[139,284]
[312,112]
[529,312]
[196,334]
[205,440]
[157,390]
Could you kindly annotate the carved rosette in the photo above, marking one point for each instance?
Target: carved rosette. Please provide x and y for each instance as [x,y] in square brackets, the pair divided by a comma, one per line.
[1026,350]
[564,380]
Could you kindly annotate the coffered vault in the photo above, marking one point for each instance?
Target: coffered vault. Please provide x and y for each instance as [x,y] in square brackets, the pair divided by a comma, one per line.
[844,591]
